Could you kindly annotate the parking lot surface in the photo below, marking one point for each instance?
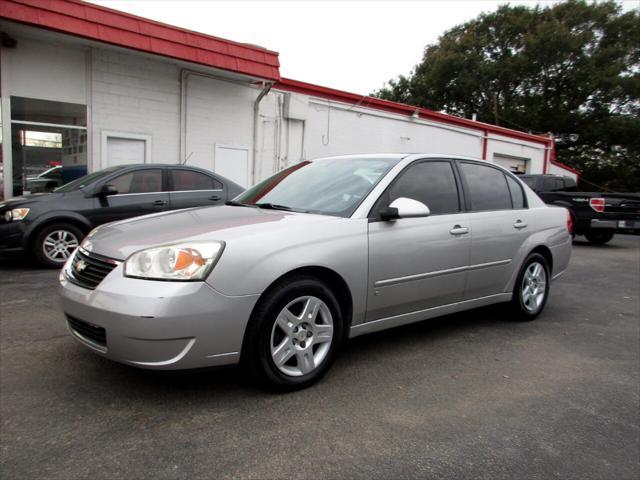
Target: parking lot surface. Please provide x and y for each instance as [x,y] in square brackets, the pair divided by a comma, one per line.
[467,396]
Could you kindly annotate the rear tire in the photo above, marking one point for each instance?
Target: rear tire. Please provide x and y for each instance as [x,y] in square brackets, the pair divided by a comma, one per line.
[54,244]
[531,290]
[599,238]
[293,334]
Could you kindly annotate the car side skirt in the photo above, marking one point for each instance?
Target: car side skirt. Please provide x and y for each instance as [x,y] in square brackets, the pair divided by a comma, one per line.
[419,315]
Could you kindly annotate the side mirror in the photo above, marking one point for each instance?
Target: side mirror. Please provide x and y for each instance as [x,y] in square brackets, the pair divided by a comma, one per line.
[107,190]
[404,208]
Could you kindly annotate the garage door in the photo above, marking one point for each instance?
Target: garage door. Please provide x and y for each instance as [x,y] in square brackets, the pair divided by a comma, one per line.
[232,163]
[513,164]
[122,151]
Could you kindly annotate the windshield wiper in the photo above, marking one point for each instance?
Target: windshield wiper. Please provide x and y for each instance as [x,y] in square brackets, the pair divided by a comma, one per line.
[233,203]
[275,206]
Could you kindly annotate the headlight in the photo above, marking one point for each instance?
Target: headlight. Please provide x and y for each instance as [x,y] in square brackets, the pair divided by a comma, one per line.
[16,214]
[181,261]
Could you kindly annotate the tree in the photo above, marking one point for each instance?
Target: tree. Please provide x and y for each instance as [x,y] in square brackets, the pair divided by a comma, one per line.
[572,69]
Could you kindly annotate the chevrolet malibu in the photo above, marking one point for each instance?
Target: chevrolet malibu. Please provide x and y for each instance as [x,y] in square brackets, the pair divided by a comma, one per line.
[323,251]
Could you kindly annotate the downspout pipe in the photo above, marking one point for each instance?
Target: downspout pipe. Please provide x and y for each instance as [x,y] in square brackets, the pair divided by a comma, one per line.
[256,123]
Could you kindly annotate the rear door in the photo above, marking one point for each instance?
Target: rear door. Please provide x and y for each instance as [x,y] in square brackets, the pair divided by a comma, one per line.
[140,192]
[192,188]
[499,221]
[419,263]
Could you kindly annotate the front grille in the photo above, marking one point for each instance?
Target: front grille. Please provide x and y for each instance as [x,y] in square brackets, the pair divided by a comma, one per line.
[93,333]
[89,269]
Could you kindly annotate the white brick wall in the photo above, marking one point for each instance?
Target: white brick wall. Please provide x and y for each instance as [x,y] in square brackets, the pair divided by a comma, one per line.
[135,95]
[218,112]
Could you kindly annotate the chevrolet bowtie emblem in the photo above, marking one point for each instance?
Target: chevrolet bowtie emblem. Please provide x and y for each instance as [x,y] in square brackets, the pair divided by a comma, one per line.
[81,265]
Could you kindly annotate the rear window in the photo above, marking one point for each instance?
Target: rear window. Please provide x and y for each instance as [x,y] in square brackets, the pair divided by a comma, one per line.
[487,187]
[552,184]
[189,180]
[529,181]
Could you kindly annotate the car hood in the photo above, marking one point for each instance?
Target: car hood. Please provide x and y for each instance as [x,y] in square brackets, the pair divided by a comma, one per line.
[118,240]
[30,199]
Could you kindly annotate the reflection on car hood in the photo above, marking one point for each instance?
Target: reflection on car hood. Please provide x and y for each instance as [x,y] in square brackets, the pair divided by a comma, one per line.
[120,239]
[27,199]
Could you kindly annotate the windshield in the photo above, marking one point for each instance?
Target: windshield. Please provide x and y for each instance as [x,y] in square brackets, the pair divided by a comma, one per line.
[333,186]
[52,172]
[529,181]
[81,182]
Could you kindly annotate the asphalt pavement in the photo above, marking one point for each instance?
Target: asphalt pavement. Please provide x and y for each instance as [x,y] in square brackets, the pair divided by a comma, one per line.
[471,395]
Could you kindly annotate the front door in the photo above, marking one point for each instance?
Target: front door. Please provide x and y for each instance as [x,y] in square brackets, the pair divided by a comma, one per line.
[419,263]
[140,192]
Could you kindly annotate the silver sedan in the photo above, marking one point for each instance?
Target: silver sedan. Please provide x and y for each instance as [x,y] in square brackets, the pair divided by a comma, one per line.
[320,252]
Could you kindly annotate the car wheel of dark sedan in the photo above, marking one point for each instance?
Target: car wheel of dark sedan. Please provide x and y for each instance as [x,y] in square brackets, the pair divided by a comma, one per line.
[532,288]
[599,238]
[293,334]
[55,243]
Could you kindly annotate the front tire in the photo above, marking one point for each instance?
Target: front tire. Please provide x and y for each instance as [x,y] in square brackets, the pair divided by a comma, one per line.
[55,243]
[531,289]
[599,238]
[293,335]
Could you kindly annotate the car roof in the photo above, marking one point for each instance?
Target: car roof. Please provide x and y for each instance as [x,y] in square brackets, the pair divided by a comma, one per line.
[128,165]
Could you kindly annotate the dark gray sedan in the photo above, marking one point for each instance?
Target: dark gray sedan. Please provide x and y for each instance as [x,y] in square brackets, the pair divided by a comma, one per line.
[52,225]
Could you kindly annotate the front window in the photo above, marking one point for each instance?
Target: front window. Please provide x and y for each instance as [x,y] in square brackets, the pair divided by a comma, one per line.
[140,181]
[82,182]
[333,186]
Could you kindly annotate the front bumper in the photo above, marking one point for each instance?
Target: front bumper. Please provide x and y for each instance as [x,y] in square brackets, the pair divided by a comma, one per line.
[159,325]
[11,235]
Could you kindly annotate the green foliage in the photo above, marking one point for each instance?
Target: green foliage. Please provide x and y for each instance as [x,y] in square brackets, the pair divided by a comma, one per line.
[572,68]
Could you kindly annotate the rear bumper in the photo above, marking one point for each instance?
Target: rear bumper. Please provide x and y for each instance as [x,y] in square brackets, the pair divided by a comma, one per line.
[620,226]
[157,325]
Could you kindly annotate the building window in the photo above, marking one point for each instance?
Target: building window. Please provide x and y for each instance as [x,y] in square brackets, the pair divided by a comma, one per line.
[49,144]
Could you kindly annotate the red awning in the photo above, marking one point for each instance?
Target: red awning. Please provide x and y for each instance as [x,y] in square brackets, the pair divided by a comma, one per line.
[102,24]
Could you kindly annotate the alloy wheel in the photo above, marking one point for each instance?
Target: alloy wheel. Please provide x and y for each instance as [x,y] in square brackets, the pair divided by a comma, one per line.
[59,245]
[301,336]
[534,287]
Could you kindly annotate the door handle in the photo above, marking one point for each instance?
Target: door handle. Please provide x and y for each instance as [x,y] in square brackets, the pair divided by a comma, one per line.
[458,230]
[214,197]
[519,224]
[159,203]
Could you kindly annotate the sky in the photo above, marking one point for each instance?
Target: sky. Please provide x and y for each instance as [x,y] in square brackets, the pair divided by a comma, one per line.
[350,45]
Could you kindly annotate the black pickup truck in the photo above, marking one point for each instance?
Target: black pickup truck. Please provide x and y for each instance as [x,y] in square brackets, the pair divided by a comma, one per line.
[597,216]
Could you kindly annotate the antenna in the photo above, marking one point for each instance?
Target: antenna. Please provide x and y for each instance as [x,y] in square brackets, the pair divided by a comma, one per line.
[186,158]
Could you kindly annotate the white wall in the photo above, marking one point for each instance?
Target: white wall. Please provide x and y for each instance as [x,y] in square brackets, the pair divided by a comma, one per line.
[133,94]
[533,152]
[46,71]
[558,170]
[138,96]
[217,112]
[343,130]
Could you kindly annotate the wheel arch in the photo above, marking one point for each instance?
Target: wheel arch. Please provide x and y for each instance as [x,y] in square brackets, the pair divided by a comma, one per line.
[332,279]
[75,220]
[546,253]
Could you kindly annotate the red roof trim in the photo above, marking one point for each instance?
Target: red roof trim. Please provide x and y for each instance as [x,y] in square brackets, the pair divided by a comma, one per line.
[402,108]
[102,24]
[552,160]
